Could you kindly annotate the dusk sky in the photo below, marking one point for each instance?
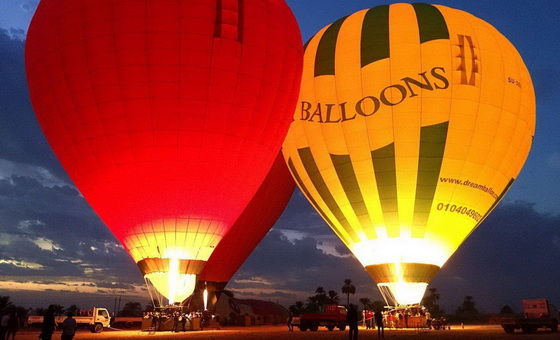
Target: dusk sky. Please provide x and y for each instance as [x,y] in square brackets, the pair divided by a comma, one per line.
[54,249]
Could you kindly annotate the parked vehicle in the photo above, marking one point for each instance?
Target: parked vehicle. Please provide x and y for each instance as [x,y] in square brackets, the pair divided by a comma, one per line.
[333,316]
[537,313]
[97,318]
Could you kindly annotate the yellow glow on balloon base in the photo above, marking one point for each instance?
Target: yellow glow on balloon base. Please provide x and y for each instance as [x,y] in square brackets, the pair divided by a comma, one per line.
[173,285]
[403,293]
[404,249]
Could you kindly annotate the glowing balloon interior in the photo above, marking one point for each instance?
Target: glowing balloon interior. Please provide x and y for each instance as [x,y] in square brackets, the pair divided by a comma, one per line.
[413,122]
[167,115]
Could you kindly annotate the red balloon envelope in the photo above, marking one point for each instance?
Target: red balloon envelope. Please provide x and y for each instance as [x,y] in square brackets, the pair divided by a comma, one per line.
[166,114]
[254,223]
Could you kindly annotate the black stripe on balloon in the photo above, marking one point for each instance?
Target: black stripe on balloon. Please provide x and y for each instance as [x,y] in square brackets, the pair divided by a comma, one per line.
[348,180]
[385,171]
[374,44]
[319,183]
[311,199]
[325,57]
[432,147]
[431,23]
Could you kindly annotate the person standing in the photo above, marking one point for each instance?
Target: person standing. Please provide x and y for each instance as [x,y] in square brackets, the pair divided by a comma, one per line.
[4,325]
[352,320]
[290,320]
[183,321]
[48,326]
[378,316]
[428,319]
[406,316]
[175,322]
[68,327]
[13,325]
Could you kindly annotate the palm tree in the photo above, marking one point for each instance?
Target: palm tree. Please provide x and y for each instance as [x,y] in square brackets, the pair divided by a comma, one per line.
[366,302]
[321,296]
[132,309]
[333,297]
[58,309]
[348,289]
[5,303]
[312,306]
[297,308]
[73,309]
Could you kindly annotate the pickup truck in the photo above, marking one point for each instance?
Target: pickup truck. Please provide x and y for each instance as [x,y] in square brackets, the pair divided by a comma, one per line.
[537,313]
[96,318]
[333,316]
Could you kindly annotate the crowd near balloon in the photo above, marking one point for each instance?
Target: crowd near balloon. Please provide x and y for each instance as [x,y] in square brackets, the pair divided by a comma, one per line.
[187,124]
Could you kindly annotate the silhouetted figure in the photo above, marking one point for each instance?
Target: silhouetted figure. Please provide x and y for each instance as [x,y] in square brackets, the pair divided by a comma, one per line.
[378,316]
[13,325]
[217,318]
[68,327]
[175,322]
[290,320]
[352,318]
[406,316]
[4,325]
[48,326]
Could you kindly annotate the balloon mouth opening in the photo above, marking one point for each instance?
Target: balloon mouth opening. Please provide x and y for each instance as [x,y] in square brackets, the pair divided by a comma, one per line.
[402,293]
[171,278]
[174,286]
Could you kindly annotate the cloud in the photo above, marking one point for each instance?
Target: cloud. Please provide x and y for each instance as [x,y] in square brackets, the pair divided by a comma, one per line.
[342,250]
[297,267]
[53,228]
[21,139]
[29,5]
[511,256]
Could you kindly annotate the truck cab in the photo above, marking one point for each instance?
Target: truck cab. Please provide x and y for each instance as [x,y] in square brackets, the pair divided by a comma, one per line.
[100,319]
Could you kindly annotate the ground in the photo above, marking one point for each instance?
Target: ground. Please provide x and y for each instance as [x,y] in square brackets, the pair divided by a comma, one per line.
[281,333]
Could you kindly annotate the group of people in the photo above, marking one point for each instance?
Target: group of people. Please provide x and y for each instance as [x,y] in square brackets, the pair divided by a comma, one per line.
[10,322]
[9,325]
[49,325]
[398,318]
[181,320]
[159,319]
[352,318]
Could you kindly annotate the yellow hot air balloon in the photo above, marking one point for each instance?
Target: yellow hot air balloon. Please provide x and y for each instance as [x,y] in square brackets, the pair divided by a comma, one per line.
[413,122]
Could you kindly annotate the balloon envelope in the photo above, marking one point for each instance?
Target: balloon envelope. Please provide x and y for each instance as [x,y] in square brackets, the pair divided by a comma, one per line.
[167,115]
[413,122]
[252,225]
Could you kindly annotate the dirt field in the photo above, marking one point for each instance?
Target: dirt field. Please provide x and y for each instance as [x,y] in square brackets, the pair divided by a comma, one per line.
[281,333]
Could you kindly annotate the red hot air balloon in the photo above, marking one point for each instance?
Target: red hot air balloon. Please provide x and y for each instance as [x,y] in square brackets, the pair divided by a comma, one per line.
[252,225]
[166,114]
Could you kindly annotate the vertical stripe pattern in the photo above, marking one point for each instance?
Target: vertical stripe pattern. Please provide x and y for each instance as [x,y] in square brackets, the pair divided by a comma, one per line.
[324,62]
[392,146]
[430,22]
[375,35]
[432,147]
[347,176]
[383,160]
[319,183]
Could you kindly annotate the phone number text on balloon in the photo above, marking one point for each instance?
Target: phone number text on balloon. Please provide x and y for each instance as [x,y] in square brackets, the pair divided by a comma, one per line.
[475,215]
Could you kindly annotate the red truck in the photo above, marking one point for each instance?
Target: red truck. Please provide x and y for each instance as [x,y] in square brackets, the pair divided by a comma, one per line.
[537,313]
[333,316]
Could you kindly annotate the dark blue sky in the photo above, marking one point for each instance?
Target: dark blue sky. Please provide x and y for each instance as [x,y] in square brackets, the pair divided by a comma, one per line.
[51,240]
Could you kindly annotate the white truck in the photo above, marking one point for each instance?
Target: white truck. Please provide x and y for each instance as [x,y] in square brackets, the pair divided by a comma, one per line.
[96,318]
[537,313]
